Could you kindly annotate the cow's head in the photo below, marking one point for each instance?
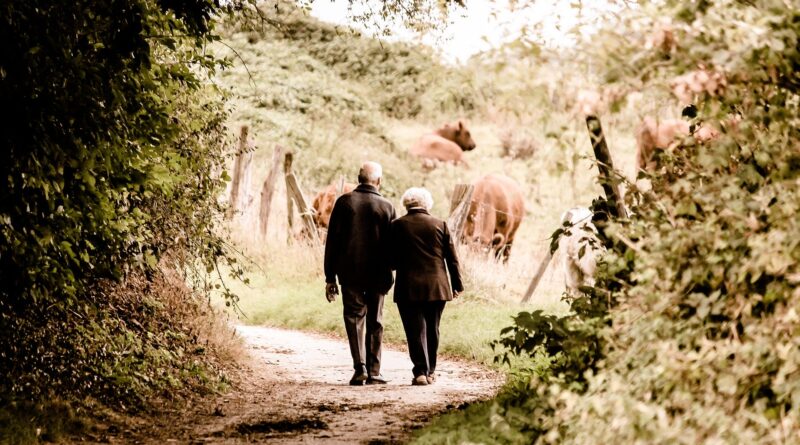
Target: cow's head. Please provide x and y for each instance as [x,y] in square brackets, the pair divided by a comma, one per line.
[459,134]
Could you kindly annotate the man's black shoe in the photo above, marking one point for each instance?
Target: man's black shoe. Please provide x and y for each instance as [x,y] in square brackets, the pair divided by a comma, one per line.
[377,380]
[359,377]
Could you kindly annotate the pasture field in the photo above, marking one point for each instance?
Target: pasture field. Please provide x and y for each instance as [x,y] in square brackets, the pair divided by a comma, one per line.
[286,279]
[295,94]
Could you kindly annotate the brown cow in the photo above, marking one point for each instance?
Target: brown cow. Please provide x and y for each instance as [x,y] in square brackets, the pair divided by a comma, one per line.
[495,212]
[446,144]
[323,205]
[655,135]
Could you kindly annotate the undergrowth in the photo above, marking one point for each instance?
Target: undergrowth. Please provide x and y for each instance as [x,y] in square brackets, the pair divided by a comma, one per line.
[112,144]
[690,334]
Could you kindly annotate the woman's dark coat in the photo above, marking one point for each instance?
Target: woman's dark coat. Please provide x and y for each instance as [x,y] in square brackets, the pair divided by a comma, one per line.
[422,253]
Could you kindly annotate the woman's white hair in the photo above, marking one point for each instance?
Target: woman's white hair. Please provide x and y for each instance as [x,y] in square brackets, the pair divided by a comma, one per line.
[417,197]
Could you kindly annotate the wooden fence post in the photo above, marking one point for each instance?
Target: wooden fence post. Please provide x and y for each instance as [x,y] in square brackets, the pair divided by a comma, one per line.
[340,188]
[294,193]
[287,169]
[459,208]
[605,165]
[268,189]
[241,169]
[538,276]
[609,183]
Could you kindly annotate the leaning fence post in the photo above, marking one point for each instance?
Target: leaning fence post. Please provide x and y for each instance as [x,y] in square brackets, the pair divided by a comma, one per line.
[294,193]
[459,207]
[268,189]
[340,188]
[538,276]
[605,165]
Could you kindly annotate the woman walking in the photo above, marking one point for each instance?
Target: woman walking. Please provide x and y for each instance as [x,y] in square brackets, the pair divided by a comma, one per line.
[423,253]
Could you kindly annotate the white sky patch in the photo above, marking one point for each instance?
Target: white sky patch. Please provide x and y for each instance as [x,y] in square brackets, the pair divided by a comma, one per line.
[488,24]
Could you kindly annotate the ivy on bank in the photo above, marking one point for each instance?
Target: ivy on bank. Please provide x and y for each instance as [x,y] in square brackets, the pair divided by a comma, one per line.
[110,138]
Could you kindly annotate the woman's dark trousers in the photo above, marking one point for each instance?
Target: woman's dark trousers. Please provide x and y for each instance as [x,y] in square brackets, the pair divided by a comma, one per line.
[421,323]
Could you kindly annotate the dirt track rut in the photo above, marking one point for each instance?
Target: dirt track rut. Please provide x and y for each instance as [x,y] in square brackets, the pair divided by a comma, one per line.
[294,389]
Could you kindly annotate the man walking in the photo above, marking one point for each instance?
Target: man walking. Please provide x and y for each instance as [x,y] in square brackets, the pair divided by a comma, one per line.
[356,251]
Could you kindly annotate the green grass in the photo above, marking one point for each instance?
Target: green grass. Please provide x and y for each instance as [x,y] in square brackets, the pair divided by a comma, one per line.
[474,424]
[27,423]
[287,294]
[286,289]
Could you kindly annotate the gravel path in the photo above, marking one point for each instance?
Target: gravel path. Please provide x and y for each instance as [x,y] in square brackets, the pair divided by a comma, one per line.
[294,389]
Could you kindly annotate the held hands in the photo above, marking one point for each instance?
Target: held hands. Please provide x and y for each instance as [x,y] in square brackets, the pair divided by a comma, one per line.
[331,291]
[456,294]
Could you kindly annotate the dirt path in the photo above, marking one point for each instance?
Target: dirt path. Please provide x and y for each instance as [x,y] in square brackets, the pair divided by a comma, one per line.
[294,390]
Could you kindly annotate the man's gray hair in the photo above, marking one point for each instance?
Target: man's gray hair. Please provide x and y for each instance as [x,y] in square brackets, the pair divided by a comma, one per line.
[370,173]
[417,197]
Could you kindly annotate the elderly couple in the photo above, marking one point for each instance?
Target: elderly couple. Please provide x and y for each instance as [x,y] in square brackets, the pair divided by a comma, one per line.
[365,243]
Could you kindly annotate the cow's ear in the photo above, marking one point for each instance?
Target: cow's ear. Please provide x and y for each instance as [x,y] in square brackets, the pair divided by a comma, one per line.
[460,126]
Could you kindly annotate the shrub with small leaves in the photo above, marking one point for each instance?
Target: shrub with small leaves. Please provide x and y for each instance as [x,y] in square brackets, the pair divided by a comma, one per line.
[110,139]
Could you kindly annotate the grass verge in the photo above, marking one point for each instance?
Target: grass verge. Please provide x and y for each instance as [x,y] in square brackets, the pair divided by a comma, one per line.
[467,326]
[26,422]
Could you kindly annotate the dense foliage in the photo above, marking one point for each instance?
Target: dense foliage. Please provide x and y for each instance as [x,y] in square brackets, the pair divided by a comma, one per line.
[404,80]
[700,341]
[110,137]
[705,339]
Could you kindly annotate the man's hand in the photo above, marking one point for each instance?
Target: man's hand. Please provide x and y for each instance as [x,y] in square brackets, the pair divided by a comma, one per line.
[456,294]
[331,291]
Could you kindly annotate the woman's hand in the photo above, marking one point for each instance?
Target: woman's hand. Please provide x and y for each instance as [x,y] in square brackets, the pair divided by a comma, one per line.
[456,294]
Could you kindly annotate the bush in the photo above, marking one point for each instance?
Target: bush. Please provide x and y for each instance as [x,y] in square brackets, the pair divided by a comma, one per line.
[518,143]
[404,80]
[110,140]
[690,334]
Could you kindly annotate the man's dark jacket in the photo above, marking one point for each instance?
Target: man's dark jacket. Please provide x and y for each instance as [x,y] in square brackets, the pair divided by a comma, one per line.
[423,253]
[357,246]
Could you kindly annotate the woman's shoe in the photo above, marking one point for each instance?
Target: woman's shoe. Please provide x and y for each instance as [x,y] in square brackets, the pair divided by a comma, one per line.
[419,380]
[431,378]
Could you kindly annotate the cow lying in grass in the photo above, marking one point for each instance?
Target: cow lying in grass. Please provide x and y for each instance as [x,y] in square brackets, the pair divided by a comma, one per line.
[446,144]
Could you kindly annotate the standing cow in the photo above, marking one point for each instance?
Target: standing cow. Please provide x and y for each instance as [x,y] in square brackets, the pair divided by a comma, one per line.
[447,144]
[323,205]
[495,212]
